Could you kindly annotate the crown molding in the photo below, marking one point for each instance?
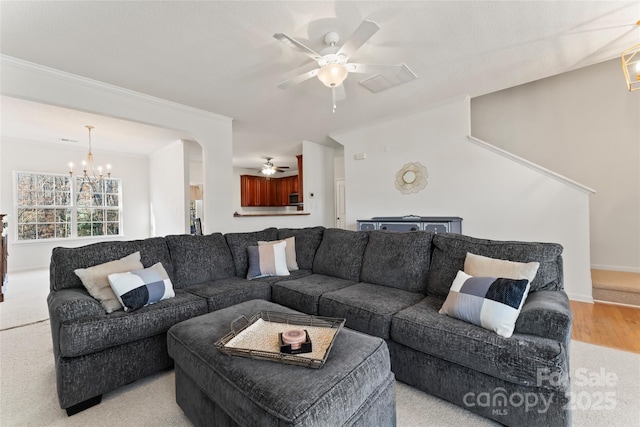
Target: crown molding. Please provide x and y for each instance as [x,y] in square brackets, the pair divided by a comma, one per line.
[106,87]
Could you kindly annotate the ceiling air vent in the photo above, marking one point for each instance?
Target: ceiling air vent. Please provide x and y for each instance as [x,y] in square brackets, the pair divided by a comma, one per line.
[379,82]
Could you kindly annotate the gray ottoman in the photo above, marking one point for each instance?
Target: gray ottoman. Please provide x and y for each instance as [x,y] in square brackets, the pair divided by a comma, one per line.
[355,387]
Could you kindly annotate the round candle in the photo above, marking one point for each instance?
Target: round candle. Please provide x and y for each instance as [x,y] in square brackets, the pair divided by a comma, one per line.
[295,337]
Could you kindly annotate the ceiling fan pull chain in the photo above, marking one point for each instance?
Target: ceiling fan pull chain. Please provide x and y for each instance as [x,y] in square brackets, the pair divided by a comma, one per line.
[333,93]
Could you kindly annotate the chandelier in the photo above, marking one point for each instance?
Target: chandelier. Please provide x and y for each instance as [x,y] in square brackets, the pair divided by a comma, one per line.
[631,66]
[89,172]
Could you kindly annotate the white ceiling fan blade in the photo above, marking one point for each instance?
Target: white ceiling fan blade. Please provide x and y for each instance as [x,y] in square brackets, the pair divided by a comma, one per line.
[340,93]
[372,68]
[358,38]
[297,46]
[298,79]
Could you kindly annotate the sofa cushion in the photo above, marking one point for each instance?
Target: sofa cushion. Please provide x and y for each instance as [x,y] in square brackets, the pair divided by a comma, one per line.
[493,303]
[91,334]
[230,291]
[138,288]
[198,259]
[367,307]
[292,275]
[304,294]
[450,251]
[307,242]
[267,260]
[65,260]
[239,242]
[517,359]
[96,279]
[340,254]
[399,260]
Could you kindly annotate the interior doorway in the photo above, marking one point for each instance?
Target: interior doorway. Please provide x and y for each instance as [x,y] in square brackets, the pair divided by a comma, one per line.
[341,216]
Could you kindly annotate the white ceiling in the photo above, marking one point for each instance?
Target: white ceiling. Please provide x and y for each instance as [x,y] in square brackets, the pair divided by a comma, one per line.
[221,56]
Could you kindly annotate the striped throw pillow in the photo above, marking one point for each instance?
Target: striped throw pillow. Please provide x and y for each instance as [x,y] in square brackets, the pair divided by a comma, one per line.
[267,260]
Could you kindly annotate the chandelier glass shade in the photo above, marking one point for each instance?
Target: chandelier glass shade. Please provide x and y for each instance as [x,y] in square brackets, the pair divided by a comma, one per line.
[89,171]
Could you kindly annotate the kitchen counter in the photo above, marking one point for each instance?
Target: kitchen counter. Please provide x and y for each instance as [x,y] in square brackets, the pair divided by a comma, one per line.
[247,215]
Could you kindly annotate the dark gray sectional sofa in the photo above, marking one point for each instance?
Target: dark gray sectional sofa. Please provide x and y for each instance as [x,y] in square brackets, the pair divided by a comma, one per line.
[390,285]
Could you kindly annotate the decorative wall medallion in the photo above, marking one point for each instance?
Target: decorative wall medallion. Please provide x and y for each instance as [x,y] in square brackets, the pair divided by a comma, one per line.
[411,178]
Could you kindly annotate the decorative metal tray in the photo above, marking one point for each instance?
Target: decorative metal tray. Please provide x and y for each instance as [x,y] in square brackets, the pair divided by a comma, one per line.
[259,337]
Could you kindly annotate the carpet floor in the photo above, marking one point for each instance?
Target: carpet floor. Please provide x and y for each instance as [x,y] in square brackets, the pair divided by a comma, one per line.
[605,388]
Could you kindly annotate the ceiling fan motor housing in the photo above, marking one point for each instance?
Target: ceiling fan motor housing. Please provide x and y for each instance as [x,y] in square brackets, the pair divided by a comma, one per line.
[331,38]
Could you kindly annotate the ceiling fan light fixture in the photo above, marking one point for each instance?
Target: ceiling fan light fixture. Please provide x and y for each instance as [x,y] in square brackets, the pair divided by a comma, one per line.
[268,171]
[332,75]
[268,168]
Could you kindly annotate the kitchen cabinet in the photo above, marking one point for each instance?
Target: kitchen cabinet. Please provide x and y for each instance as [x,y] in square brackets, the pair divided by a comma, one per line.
[262,191]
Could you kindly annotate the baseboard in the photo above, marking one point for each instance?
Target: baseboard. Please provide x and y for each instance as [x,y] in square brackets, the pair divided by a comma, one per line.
[580,298]
[615,268]
[28,269]
[615,303]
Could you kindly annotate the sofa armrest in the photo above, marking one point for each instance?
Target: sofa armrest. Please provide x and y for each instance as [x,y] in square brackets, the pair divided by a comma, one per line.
[71,304]
[546,314]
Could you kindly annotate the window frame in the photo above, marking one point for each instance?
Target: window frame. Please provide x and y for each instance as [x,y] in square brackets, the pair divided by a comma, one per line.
[74,207]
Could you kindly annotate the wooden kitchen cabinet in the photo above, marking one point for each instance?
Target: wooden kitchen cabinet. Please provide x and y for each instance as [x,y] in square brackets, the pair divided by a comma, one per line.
[262,191]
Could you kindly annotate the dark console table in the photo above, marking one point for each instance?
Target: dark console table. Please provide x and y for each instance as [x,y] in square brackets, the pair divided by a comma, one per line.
[436,224]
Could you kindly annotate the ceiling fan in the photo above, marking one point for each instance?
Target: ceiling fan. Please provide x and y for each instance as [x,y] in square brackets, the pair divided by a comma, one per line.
[269,169]
[333,60]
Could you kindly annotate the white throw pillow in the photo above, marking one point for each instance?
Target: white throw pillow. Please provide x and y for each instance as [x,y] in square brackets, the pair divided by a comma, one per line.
[478,265]
[95,279]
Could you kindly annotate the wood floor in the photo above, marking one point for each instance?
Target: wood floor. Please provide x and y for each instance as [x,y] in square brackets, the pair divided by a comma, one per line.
[608,325]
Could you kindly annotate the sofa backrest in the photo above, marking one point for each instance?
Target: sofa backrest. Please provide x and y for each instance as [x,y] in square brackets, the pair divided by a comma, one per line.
[450,250]
[199,259]
[307,242]
[65,260]
[398,260]
[239,242]
[340,253]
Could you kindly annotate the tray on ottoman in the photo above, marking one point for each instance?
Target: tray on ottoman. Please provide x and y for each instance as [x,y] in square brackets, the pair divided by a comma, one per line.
[355,387]
[259,337]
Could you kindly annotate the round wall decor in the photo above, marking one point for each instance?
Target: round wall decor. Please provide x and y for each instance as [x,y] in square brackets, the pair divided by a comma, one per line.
[411,178]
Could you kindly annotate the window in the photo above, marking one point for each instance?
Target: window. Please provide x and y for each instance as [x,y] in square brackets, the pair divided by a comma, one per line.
[46,208]
[98,207]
